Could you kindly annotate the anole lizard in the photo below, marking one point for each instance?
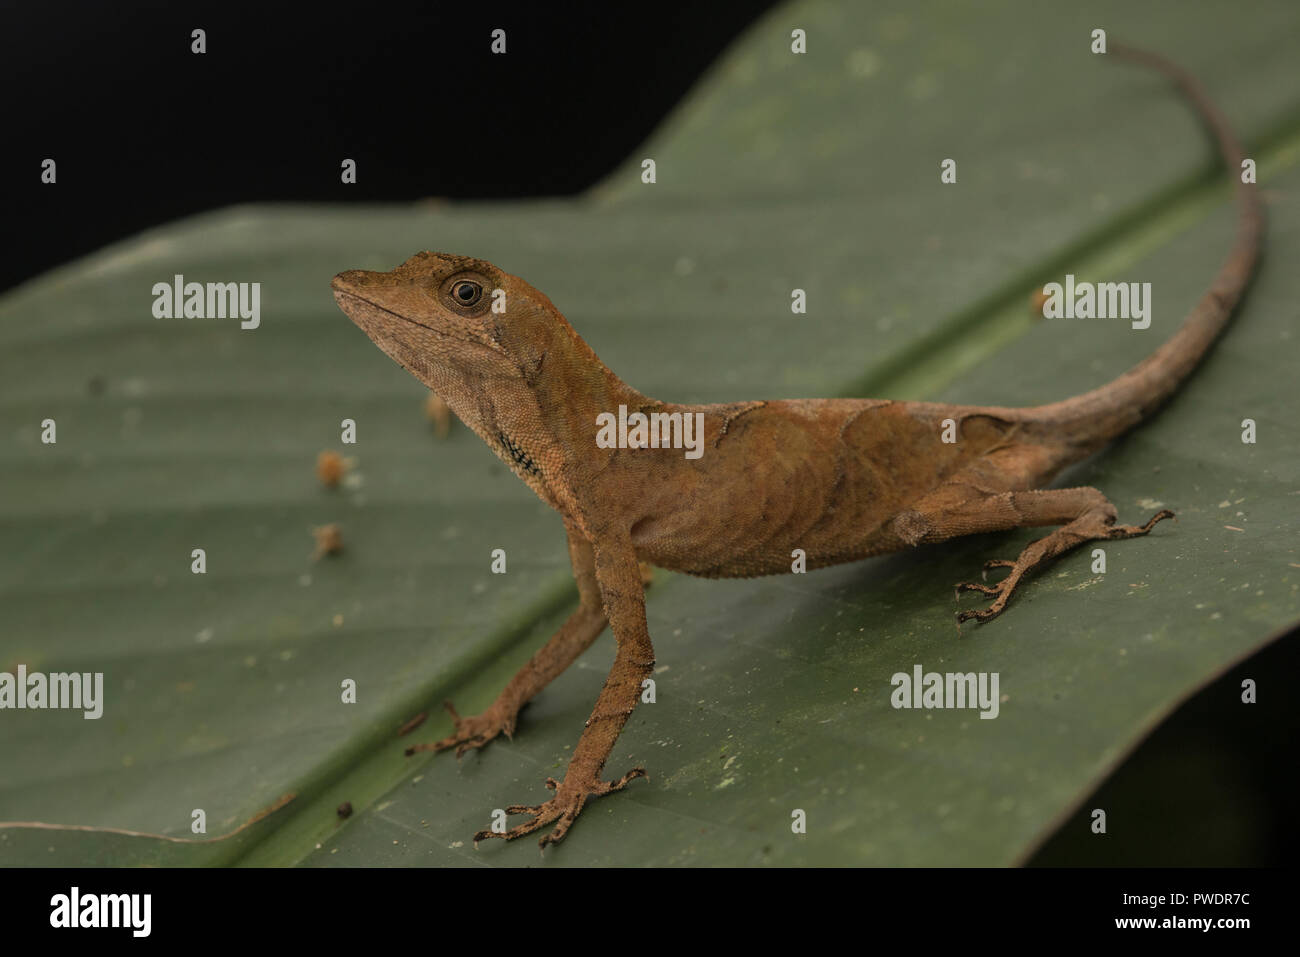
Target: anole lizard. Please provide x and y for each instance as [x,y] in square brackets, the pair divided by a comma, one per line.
[842,479]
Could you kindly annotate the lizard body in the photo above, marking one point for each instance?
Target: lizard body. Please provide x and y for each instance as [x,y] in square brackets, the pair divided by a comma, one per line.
[841,479]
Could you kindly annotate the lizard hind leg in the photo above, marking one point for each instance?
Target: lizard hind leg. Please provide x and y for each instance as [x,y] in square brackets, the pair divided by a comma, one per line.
[1087,515]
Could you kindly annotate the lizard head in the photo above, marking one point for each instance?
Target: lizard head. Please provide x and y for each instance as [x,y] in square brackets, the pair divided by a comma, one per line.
[495,348]
[434,314]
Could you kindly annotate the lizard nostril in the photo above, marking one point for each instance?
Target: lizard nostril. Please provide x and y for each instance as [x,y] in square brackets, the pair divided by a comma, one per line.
[349,277]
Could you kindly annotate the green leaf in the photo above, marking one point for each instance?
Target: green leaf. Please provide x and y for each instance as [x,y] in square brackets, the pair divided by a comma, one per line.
[818,172]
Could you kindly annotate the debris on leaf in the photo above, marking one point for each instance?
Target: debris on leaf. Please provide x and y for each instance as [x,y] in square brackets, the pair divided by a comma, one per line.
[1037,300]
[330,468]
[329,540]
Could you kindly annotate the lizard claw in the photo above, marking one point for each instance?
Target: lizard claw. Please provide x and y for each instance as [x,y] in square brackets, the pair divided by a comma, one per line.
[561,810]
[1000,592]
[995,563]
[975,586]
[982,614]
[471,733]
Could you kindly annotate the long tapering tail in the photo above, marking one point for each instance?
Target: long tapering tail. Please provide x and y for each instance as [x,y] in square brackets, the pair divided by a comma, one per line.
[1116,407]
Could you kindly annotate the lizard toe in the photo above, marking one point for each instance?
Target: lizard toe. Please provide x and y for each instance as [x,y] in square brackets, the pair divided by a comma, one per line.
[470,733]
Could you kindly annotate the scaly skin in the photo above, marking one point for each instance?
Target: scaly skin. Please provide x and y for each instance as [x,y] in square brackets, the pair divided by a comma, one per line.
[839,478]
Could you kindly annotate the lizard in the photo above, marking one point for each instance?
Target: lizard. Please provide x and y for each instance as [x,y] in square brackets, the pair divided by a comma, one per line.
[842,479]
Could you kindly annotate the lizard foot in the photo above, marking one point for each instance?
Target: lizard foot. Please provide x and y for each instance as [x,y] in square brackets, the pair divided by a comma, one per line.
[473,732]
[562,810]
[1092,526]
[1001,593]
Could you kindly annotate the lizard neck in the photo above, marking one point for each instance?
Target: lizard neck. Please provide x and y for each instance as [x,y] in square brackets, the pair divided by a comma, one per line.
[571,404]
[542,425]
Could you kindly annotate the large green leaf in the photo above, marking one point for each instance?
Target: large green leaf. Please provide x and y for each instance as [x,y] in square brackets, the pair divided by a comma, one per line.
[817,171]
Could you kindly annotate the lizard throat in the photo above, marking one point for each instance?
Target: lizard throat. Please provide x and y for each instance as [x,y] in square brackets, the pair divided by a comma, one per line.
[518,455]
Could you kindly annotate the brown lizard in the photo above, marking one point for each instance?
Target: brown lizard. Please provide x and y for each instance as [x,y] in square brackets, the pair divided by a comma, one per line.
[841,479]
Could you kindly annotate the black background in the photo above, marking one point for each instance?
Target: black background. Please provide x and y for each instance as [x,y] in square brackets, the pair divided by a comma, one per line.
[350,910]
[144,131]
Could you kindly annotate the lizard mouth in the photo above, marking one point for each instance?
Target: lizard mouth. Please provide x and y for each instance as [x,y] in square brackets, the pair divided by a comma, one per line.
[381,324]
[345,295]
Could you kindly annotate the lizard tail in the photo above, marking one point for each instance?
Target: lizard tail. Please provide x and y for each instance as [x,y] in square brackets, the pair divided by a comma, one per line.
[1107,412]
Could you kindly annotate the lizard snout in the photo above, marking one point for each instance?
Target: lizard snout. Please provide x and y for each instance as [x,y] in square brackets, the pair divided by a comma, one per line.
[352,278]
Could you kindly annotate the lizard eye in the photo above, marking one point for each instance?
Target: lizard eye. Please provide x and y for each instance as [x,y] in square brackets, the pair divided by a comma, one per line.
[466,292]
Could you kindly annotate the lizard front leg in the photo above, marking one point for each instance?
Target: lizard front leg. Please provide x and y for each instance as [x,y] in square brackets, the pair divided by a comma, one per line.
[623,593]
[574,637]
